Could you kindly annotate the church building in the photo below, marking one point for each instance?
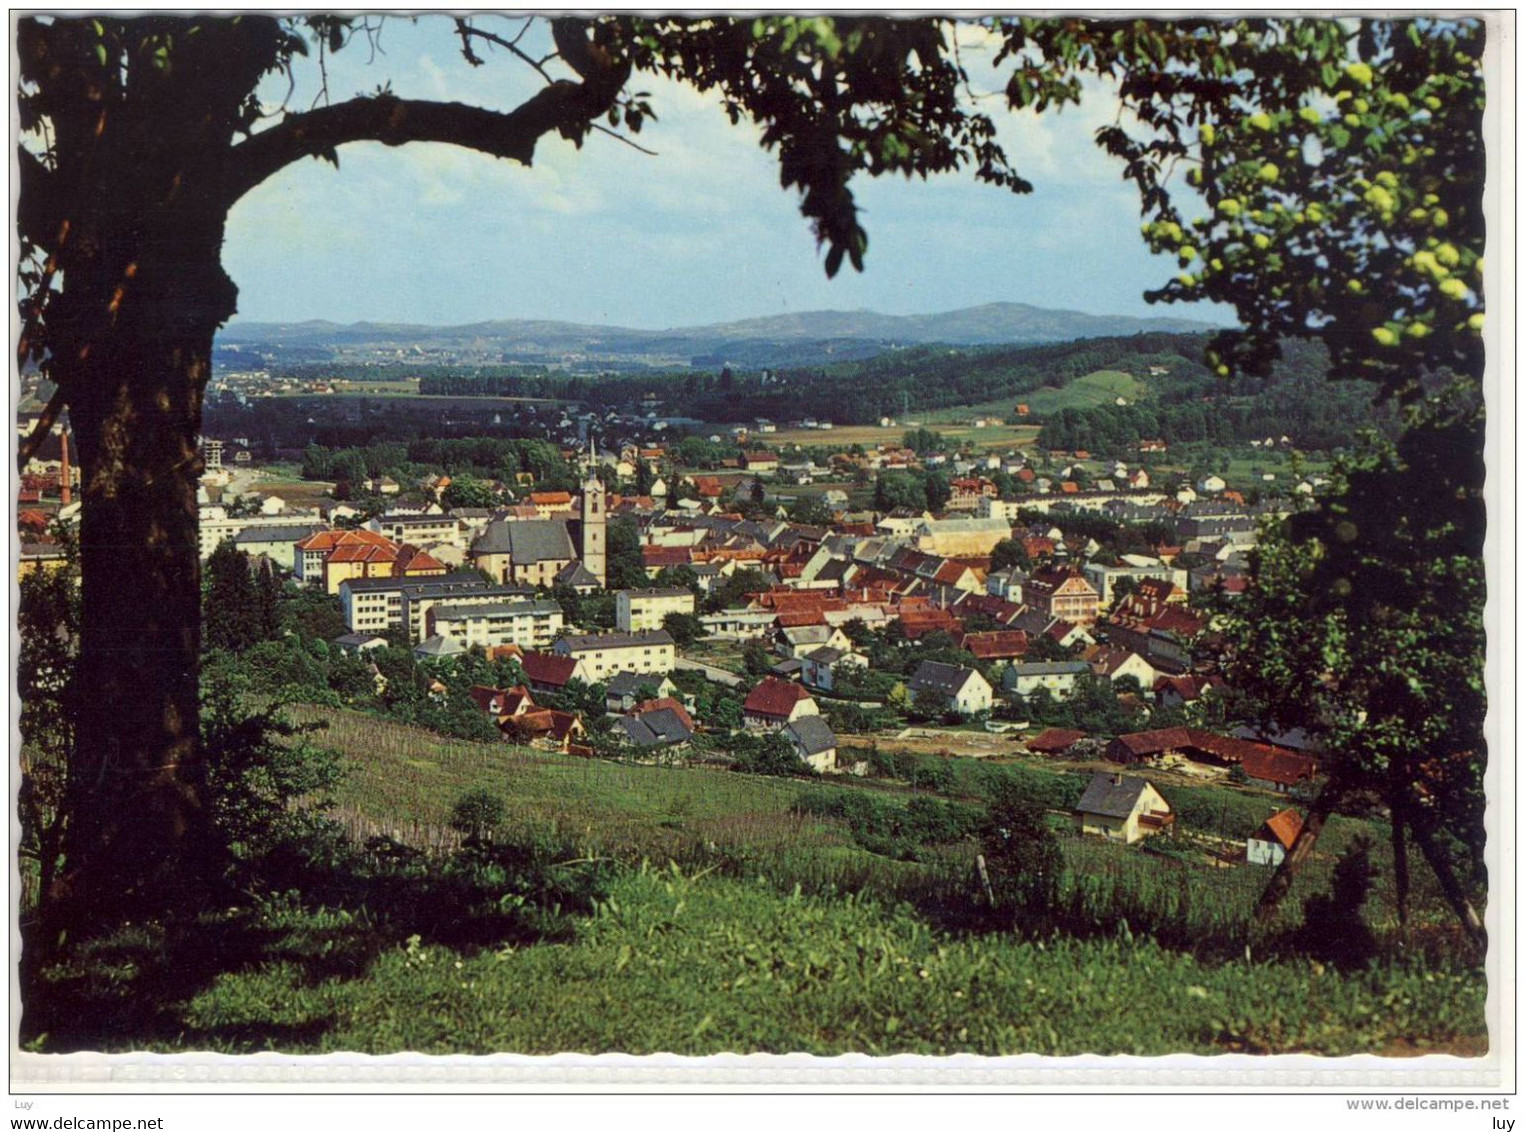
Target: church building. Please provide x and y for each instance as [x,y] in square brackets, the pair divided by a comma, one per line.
[544,552]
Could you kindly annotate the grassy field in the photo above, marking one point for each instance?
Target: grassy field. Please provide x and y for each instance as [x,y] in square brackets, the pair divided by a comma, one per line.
[674,963]
[694,910]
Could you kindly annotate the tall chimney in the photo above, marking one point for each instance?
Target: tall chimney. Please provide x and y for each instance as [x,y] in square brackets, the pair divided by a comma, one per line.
[65,490]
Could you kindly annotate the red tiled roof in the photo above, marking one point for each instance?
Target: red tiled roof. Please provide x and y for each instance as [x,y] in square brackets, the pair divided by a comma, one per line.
[949,573]
[329,540]
[412,559]
[1284,768]
[1054,740]
[801,618]
[1141,743]
[1284,827]
[548,668]
[483,696]
[996,645]
[664,556]
[916,623]
[665,702]
[359,553]
[1259,761]
[775,698]
[550,498]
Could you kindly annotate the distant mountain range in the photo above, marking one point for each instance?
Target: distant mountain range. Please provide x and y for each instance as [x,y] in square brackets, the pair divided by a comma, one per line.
[787,339]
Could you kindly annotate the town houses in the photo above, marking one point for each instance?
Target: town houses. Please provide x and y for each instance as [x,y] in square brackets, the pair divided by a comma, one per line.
[763,592]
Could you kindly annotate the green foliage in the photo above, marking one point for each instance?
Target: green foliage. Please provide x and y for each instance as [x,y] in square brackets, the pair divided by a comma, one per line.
[269,783]
[742,967]
[477,814]
[1338,163]
[887,827]
[47,627]
[625,569]
[1365,623]
[1022,857]
[766,753]
[924,441]
[468,491]
[684,627]
[239,607]
[1009,553]
[1333,928]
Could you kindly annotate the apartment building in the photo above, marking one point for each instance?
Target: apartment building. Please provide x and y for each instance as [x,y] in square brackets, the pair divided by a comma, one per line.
[604,654]
[638,610]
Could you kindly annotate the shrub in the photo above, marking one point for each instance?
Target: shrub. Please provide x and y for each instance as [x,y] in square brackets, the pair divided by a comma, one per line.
[1333,928]
[1023,858]
[477,814]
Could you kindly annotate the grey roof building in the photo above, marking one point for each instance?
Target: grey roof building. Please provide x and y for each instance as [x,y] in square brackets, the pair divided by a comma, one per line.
[946,679]
[526,540]
[812,735]
[438,648]
[295,533]
[576,642]
[660,727]
[1111,795]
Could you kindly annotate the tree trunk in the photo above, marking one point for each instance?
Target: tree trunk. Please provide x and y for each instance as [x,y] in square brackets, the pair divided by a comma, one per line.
[1400,865]
[1302,849]
[1455,894]
[137,835]
[137,317]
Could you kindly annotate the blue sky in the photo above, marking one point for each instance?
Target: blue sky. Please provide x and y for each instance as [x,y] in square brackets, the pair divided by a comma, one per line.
[701,233]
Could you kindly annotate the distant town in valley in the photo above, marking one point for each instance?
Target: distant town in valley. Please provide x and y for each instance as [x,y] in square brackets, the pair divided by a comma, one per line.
[540,584]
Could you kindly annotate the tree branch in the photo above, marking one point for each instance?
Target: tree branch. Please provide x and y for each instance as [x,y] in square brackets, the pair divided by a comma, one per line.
[568,108]
[28,447]
[39,207]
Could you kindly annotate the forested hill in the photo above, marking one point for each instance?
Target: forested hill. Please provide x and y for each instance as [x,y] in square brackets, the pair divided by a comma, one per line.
[915,379]
[1180,399]
[1297,401]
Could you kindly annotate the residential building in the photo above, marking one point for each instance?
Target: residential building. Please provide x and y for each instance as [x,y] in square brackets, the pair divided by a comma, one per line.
[549,673]
[214,526]
[639,610]
[1122,808]
[818,668]
[1271,843]
[1062,593]
[813,741]
[528,624]
[277,543]
[774,704]
[602,655]
[623,690]
[417,529]
[954,688]
[1058,676]
[357,643]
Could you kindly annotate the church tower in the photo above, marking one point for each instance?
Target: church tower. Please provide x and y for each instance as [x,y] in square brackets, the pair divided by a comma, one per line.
[594,526]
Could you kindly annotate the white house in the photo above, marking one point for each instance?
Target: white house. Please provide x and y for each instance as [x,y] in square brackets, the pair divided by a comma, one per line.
[1273,840]
[1058,676]
[962,690]
[818,666]
[813,741]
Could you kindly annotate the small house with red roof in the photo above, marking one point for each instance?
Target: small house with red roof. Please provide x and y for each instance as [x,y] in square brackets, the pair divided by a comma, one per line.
[775,703]
[549,673]
[1054,741]
[1271,843]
